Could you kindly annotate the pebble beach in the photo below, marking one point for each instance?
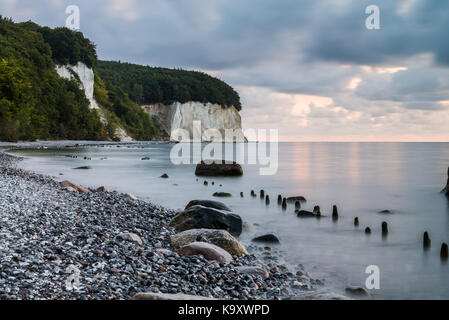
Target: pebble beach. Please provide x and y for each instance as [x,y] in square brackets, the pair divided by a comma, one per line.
[49,235]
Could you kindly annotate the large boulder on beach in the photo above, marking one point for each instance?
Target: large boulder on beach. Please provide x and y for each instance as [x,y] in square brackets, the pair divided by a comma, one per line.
[254,271]
[70,186]
[200,217]
[168,296]
[209,251]
[220,238]
[209,204]
[214,168]
[267,238]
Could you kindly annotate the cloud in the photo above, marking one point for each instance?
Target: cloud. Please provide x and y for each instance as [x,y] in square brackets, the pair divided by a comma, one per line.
[285,56]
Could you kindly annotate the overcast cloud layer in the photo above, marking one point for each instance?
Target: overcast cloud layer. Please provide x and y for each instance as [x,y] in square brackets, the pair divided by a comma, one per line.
[309,68]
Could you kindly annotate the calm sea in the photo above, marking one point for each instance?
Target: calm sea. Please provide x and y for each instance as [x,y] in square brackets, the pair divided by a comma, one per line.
[362,179]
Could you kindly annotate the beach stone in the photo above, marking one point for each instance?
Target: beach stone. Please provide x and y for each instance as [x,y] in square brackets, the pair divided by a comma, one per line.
[209,251]
[102,189]
[255,271]
[164,176]
[267,238]
[132,237]
[218,168]
[167,296]
[73,187]
[220,238]
[209,204]
[200,217]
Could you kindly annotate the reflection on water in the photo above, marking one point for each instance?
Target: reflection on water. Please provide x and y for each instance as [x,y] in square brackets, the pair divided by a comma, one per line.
[361,178]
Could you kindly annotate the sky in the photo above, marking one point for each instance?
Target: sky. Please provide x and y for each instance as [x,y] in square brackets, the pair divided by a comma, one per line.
[310,69]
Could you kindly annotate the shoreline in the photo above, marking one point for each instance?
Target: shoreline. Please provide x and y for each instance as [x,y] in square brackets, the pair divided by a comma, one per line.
[45,229]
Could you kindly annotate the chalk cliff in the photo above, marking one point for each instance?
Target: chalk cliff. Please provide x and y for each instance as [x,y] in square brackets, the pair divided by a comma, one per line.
[182,116]
[85,77]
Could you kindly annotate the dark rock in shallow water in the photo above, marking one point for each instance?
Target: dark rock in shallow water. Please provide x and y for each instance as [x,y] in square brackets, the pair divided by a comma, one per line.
[146,158]
[386,212]
[83,168]
[305,214]
[357,291]
[218,168]
[298,205]
[268,238]
[267,200]
[368,230]
[164,176]
[253,194]
[241,195]
[208,204]
[222,194]
[298,198]
[356,221]
[199,217]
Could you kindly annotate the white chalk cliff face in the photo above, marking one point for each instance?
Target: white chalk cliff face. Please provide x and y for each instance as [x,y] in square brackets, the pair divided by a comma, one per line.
[211,116]
[85,77]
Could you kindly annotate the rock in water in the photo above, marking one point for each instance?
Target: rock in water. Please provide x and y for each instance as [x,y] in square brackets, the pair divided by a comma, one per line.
[220,238]
[298,205]
[426,241]
[151,296]
[356,221]
[335,213]
[73,187]
[297,198]
[207,250]
[253,194]
[268,238]
[222,195]
[255,271]
[385,212]
[444,251]
[279,199]
[83,168]
[218,168]
[200,217]
[164,176]
[241,195]
[209,204]
[262,194]
[358,291]
[368,230]
[305,214]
